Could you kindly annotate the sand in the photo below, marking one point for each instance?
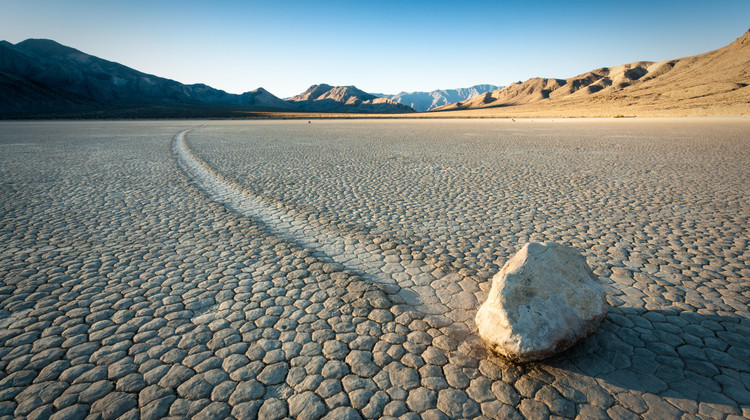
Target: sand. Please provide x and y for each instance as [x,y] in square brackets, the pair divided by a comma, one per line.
[274,268]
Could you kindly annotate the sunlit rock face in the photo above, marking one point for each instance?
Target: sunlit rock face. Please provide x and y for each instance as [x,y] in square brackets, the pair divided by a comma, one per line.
[543,301]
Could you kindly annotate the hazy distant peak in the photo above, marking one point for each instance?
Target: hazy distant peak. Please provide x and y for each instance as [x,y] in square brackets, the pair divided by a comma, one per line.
[484,87]
[426,101]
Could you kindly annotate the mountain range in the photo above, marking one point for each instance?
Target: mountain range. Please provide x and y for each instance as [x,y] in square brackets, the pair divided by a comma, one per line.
[42,78]
[327,98]
[713,83]
[427,101]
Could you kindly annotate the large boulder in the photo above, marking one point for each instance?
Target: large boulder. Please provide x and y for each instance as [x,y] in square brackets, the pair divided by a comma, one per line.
[543,300]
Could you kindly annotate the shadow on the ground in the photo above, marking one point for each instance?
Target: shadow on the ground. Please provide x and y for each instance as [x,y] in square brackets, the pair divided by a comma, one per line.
[668,352]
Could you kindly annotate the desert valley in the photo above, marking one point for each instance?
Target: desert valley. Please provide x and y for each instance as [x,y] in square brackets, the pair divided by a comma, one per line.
[554,248]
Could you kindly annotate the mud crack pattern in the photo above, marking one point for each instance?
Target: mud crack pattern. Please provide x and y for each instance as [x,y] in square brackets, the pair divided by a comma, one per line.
[275,269]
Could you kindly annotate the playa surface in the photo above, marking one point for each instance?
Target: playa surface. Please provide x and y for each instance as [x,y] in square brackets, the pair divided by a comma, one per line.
[292,268]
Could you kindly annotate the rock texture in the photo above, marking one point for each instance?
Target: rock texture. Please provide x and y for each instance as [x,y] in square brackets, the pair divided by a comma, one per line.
[543,300]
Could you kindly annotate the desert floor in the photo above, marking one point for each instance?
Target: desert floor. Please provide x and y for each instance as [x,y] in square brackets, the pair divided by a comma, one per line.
[292,268]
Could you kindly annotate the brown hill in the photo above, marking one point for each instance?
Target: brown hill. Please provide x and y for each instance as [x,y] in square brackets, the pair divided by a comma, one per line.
[713,83]
[327,98]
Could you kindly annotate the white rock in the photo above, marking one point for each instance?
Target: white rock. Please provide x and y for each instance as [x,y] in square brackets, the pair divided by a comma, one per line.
[543,300]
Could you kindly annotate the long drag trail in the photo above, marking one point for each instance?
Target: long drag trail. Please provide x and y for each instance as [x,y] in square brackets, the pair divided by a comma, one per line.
[412,280]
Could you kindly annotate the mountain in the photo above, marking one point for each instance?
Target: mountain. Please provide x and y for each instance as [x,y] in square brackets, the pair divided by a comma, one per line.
[327,98]
[426,101]
[262,98]
[713,83]
[40,77]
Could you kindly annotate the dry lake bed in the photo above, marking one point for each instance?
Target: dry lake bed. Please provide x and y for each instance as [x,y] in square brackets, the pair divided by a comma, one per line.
[271,269]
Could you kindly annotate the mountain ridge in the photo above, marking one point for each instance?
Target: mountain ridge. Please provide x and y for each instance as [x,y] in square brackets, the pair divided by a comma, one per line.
[43,78]
[718,78]
[40,78]
[426,101]
[328,98]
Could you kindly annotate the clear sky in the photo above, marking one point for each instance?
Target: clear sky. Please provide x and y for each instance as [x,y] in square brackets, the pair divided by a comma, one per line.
[379,46]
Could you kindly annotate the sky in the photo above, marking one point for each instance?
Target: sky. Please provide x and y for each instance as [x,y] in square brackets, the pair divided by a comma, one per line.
[379,46]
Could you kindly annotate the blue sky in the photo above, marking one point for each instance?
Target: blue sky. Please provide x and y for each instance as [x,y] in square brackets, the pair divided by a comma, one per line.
[379,46]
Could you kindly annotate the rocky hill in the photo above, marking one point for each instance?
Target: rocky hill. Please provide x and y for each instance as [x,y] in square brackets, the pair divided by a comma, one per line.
[713,83]
[327,98]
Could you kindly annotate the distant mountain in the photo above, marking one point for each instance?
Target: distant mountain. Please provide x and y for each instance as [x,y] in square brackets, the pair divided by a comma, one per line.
[327,98]
[426,101]
[718,80]
[40,77]
[262,98]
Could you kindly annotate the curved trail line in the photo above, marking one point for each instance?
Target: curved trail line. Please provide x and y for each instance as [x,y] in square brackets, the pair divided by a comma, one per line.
[385,268]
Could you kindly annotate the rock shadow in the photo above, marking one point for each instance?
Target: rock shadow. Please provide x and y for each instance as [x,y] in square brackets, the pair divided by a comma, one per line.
[667,352]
